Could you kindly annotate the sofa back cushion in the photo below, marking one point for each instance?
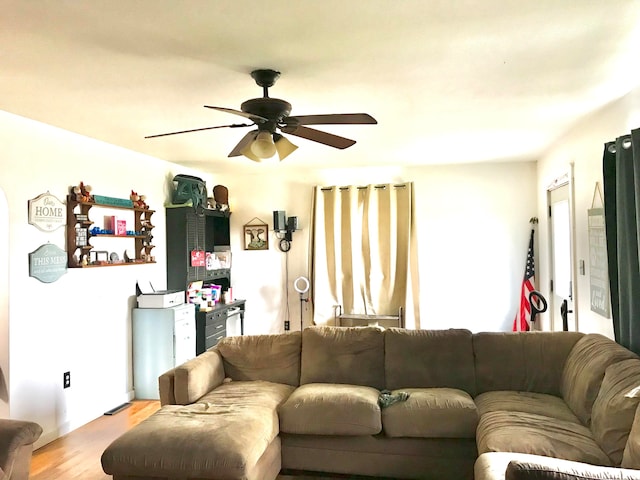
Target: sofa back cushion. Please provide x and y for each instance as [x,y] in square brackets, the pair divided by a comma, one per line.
[272,358]
[526,362]
[352,355]
[615,406]
[584,371]
[429,359]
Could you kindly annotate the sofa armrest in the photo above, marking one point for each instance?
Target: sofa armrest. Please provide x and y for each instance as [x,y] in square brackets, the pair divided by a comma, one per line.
[16,440]
[547,468]
[166,385]
[198,376]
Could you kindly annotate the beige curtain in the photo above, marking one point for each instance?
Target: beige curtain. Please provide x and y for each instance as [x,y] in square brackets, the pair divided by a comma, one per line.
[364,252]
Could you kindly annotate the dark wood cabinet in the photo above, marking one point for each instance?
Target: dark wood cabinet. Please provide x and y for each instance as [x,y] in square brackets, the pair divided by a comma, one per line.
[211,326]
[205,230]
[189,230]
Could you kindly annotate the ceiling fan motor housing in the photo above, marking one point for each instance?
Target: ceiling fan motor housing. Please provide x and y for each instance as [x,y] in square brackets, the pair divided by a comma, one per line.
[272,108]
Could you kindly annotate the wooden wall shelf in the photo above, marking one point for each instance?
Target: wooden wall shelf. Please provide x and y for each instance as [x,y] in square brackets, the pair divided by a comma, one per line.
[79,234]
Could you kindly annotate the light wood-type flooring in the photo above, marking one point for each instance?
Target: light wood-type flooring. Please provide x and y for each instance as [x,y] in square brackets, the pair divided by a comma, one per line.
[76,456]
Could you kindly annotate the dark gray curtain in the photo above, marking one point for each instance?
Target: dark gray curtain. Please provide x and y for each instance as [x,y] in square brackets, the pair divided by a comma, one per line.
[621,172]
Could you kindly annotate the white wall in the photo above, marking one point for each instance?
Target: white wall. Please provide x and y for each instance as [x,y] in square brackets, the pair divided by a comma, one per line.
[80,323]
[472,226]
[473,229]
[583,146]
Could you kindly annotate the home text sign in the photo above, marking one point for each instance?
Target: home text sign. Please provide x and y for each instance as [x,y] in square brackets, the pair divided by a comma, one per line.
[47,263]
[47,213]
[598,266]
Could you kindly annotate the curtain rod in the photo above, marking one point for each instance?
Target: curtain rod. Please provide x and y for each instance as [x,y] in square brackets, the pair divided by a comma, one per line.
[362,187]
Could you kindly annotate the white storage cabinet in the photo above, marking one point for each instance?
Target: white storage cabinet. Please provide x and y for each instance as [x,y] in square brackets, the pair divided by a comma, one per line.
[162,339]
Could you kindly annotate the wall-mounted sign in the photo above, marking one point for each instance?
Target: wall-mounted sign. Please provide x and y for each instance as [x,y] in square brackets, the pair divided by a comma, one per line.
[47,213]
[47,263]
[598,264]
[198,258]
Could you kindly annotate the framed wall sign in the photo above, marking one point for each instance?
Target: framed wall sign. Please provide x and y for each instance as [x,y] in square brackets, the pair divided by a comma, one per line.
[47,263]
[47,213]
[256,235]
[598,264]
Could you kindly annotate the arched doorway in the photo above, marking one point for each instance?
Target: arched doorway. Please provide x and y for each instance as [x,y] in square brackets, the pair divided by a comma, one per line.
[4,306]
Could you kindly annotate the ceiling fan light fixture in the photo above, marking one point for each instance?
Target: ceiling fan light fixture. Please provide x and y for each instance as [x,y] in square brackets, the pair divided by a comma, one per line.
[246,151]
[283,146]
[263,146]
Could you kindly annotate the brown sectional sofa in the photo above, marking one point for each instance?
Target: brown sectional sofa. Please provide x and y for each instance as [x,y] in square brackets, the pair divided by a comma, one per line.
[508,403]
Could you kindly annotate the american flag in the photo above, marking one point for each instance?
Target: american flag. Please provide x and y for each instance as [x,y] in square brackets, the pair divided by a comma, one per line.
[522,322]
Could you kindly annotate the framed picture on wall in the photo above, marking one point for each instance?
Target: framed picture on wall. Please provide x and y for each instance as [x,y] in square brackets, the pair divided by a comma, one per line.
[256,236]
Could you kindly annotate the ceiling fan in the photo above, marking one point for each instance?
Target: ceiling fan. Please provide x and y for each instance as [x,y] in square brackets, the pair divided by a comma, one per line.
[272,114]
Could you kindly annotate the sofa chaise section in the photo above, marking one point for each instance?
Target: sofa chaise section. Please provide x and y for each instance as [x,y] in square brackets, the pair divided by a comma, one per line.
[218,428]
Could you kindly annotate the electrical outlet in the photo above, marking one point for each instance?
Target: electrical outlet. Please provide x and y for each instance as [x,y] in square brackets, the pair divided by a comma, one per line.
[66,380]
[287,325]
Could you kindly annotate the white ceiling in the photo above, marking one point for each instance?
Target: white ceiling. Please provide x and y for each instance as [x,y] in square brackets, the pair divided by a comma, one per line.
[462,81]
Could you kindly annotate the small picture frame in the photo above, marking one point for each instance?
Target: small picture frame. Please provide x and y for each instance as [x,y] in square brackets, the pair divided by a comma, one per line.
[256,236]
[99,257]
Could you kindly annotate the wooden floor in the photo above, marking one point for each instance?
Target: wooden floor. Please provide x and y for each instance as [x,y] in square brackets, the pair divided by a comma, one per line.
[76,456]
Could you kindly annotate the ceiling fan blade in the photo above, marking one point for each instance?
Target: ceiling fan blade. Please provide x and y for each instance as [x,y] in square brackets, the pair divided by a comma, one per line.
[320,137]
[331,119]
[235,125]
[250,116]
[246,140]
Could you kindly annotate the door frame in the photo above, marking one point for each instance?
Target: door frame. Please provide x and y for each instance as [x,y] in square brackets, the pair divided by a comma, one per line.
[4,307]
[566,179]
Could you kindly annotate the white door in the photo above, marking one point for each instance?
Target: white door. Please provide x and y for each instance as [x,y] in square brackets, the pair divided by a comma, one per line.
[561,306]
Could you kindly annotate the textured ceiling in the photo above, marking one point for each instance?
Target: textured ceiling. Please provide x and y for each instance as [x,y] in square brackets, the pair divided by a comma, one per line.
[463,81]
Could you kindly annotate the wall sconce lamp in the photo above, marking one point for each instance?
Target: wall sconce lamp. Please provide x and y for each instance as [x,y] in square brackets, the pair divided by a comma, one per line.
[284,227]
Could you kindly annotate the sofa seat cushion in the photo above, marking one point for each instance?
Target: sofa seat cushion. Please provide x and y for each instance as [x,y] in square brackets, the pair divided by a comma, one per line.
[528,402]
[241,396]
[521,432]
[223,435]
[331,409]
[431,413]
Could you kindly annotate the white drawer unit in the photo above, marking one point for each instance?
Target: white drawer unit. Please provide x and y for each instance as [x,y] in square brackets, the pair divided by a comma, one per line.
[162,339]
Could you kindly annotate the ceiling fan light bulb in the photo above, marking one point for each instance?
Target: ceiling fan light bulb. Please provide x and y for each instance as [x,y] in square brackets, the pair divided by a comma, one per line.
[284,146]
[263,146]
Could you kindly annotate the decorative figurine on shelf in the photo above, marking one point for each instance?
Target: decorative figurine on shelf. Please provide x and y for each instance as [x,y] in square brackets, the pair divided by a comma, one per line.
[221,197]
[148,238]
[82,192]
[138,200]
